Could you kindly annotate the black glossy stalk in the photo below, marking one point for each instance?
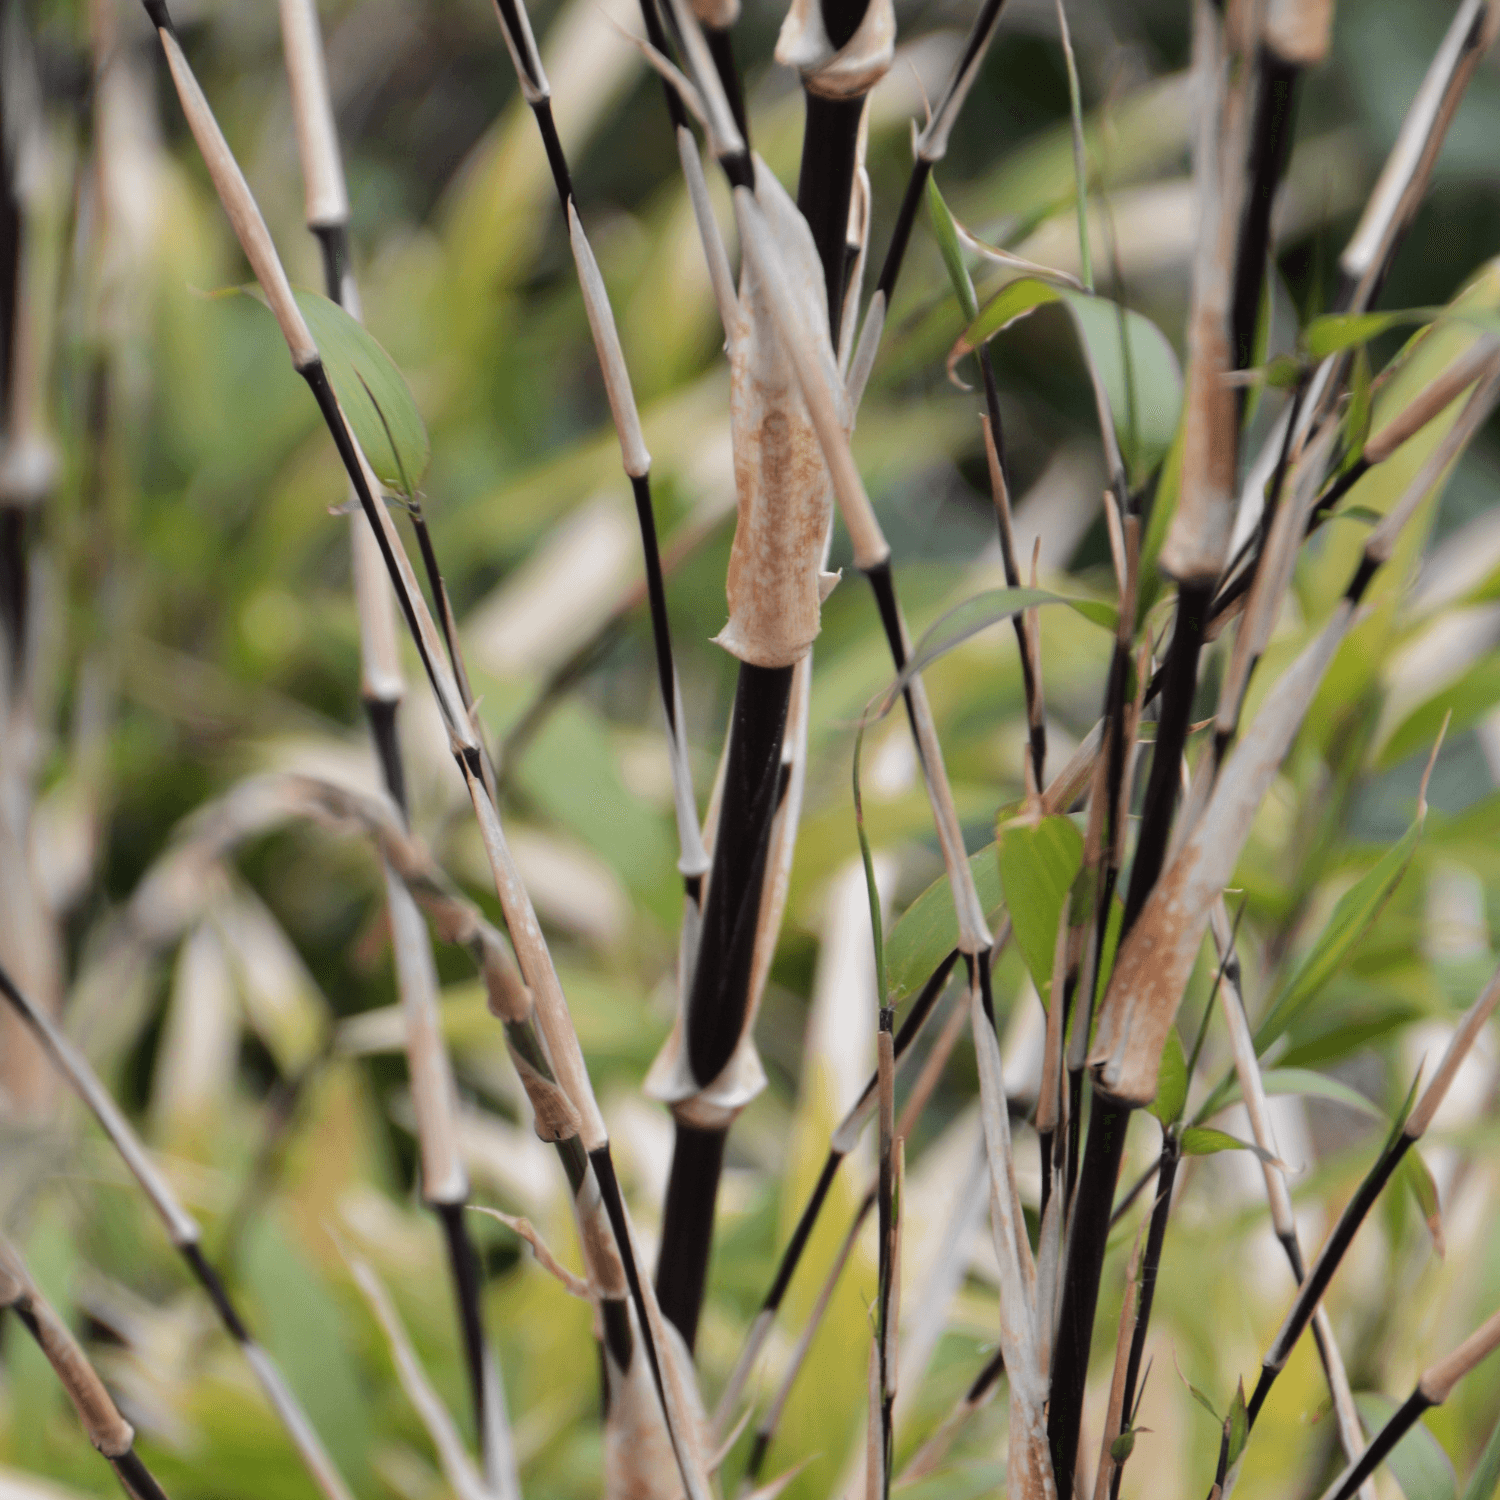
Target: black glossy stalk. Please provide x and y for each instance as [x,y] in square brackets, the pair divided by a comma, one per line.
[1087,1235]
[136,1477]
[824,186]
[1402,1421]
[1270,147]
[1310,1292]
[1150,1266]
[719,995]
[467,1283]
[906,216]
[1171,735]
[687,1230]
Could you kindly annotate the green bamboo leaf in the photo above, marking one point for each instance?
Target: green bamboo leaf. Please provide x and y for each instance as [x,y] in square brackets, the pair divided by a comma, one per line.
[1308,1084]
[1147,385]
[1485,1479]
[1037,864]
[1238,1424]
[1204,1402]
[927,931]
[1422,1469]
[1357,908]
[1361,404]
[1171,1082]
[376,399]
[1417,1175]
[989,608]
[1335,332]
[1204,1140]
[945,231]
[1468,699]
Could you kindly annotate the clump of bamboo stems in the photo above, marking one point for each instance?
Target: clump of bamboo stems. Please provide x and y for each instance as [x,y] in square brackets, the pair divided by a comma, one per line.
[801,345]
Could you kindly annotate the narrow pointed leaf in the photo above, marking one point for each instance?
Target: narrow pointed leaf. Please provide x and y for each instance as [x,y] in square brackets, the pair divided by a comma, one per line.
[1153,390]
[1308,1084]
[1418,1178]
[1356,910]
[927,931]
[1422,1469]
[1335,332]
[373,393]
[946,233]
[1239,1424]
[986,609]
[1037,866]
[1204,1140]
[1171,1082]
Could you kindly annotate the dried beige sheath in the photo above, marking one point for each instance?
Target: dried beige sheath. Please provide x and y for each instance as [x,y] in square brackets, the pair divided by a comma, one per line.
[1198,540]
[849,71]
[1156,958]
[1297,31]
[781,479]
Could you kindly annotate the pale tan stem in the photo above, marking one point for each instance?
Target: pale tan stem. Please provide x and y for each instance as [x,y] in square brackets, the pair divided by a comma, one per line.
[107,1430]
[1439,1379]
[244,213]
[1458,1048]
[327,199]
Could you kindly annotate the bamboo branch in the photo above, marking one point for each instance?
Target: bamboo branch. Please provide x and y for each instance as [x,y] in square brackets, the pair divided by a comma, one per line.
[184,1233]
[1310,1293]
[445,1184]
[105,1428]
[1252,1086]
[1431,1390]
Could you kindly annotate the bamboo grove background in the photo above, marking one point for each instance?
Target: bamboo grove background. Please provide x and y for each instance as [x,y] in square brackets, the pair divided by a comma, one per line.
[181,642]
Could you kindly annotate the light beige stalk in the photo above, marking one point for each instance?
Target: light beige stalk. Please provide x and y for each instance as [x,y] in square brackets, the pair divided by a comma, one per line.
[1297,31]
[1403,181]
[1283,1221]
[458,1469]
[1438,1380]
[617,387]
[107,1430]
[1382,540]
[1474,363]
[244,213]
[326,198]
[1473,1022]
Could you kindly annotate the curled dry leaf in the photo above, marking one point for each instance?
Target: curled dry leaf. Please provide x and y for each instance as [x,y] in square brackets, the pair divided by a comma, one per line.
[545,1258]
